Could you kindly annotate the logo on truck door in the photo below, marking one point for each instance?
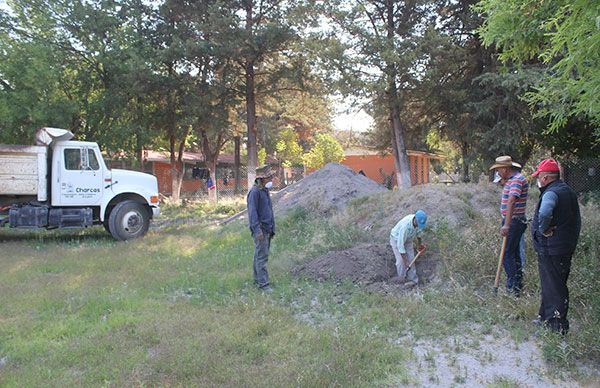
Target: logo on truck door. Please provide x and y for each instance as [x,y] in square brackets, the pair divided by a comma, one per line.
[81,182]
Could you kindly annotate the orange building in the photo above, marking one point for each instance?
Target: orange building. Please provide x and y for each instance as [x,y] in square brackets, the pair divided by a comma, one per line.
[195,173]
[379,168]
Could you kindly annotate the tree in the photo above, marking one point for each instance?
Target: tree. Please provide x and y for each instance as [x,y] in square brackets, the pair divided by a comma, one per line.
[325,150]
[380,57]
[258,36]
[288,149]
[563,35]
[469,98]
[84,57]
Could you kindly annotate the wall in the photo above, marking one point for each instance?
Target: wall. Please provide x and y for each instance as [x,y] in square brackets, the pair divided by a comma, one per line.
[371,165]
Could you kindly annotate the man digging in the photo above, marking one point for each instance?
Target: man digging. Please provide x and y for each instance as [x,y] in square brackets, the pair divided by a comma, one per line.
[401,240]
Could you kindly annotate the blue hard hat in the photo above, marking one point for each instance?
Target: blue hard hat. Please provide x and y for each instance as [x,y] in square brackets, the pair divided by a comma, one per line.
[421,217]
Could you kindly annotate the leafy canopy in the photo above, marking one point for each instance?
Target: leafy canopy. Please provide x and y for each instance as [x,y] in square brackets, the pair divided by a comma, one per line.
[564,35]
[326,150]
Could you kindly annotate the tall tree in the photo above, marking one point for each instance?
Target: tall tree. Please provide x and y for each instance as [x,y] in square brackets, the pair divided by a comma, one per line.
[471,99]
[259,37]
[379,55]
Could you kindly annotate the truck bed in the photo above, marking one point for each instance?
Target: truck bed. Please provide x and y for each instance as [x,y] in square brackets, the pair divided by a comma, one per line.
[23,171]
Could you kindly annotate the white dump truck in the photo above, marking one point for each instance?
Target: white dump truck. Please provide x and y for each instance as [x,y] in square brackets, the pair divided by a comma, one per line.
[61,183]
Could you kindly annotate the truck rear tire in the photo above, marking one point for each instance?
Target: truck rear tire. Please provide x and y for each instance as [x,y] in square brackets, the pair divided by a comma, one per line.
[128,220]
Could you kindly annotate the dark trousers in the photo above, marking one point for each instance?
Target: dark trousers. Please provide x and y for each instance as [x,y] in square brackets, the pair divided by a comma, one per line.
[261,257]
[554,273]
[512,255]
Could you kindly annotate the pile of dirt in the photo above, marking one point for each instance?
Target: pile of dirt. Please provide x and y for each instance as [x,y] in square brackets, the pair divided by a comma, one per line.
[325,191]
[365,263]
[459,206]
[370,264]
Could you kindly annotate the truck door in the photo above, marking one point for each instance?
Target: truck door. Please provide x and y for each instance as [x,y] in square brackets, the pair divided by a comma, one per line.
[80,179]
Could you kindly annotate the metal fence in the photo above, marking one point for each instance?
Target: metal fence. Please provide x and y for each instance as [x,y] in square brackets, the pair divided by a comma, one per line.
[582,175]
[226,184]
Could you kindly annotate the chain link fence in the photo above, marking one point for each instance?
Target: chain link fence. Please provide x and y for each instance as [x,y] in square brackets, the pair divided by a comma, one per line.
[582,175]
[226,182]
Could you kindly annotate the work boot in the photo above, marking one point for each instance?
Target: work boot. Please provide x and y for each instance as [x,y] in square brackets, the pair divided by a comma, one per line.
[397,280]
[266,290]
[538,321]
[409,285]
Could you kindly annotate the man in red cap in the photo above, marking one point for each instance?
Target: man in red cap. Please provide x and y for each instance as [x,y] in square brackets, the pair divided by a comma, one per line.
[555,231]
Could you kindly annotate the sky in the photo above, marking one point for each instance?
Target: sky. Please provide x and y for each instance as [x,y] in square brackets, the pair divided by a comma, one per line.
[357,121]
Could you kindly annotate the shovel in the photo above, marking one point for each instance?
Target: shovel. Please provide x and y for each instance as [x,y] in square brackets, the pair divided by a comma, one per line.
[415,259]
[500,260]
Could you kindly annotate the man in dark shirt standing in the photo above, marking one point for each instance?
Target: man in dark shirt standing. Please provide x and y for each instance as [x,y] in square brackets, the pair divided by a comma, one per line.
[262,225]
[555,231]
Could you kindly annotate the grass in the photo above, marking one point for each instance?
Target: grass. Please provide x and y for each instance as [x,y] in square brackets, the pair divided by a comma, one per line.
[179,308]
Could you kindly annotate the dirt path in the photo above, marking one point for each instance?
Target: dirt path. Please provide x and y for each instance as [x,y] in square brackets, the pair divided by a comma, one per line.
[482,360]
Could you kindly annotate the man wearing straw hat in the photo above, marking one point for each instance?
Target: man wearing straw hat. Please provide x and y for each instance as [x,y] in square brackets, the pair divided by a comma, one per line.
[262,225]
[514,221]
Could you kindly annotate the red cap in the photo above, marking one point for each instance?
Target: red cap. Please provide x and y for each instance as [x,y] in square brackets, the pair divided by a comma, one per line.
[547,165]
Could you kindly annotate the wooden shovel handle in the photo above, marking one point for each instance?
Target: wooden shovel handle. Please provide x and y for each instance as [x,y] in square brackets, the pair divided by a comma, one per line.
[500,260]
[415,259]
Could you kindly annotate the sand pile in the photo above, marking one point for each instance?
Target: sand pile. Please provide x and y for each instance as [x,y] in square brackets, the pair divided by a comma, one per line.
[325,191]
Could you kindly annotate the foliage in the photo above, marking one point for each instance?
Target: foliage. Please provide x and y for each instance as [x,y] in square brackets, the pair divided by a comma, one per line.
[563,35]
[288,149]
[447,148]
[262,156]
[306,112]
[325,150]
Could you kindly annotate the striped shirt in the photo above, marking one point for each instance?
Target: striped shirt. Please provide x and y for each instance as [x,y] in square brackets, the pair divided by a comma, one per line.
[516,186]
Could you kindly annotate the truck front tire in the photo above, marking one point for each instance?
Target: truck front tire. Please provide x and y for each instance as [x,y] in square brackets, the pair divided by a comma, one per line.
[128,220]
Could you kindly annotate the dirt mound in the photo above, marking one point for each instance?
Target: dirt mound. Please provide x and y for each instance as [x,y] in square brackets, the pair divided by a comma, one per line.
[326,190]
[372,265]
[459,206]
[371,262]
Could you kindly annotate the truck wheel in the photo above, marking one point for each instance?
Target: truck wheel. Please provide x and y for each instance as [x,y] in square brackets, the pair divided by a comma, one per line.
[128,220]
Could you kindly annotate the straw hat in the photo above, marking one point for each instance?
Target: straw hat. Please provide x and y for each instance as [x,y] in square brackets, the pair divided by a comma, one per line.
[505,161]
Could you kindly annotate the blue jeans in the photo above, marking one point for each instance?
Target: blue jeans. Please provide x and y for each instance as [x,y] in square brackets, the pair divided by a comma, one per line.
[512,256]
[261,256]
[522,250]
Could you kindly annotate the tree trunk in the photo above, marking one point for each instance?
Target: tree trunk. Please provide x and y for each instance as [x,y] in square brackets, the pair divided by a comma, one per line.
[236,164]
[396,162]
[176,171]
[401,163]
[465,158]
[251,104]
[139,149]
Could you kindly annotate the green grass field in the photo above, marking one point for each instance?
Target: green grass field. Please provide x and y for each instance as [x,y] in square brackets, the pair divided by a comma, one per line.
[179,307]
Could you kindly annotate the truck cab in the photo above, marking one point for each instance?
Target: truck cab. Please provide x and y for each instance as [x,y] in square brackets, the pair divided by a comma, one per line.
[82,190]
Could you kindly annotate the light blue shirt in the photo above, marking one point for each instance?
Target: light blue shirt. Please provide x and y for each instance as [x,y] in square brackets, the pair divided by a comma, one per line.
[549,201]
[404,232]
